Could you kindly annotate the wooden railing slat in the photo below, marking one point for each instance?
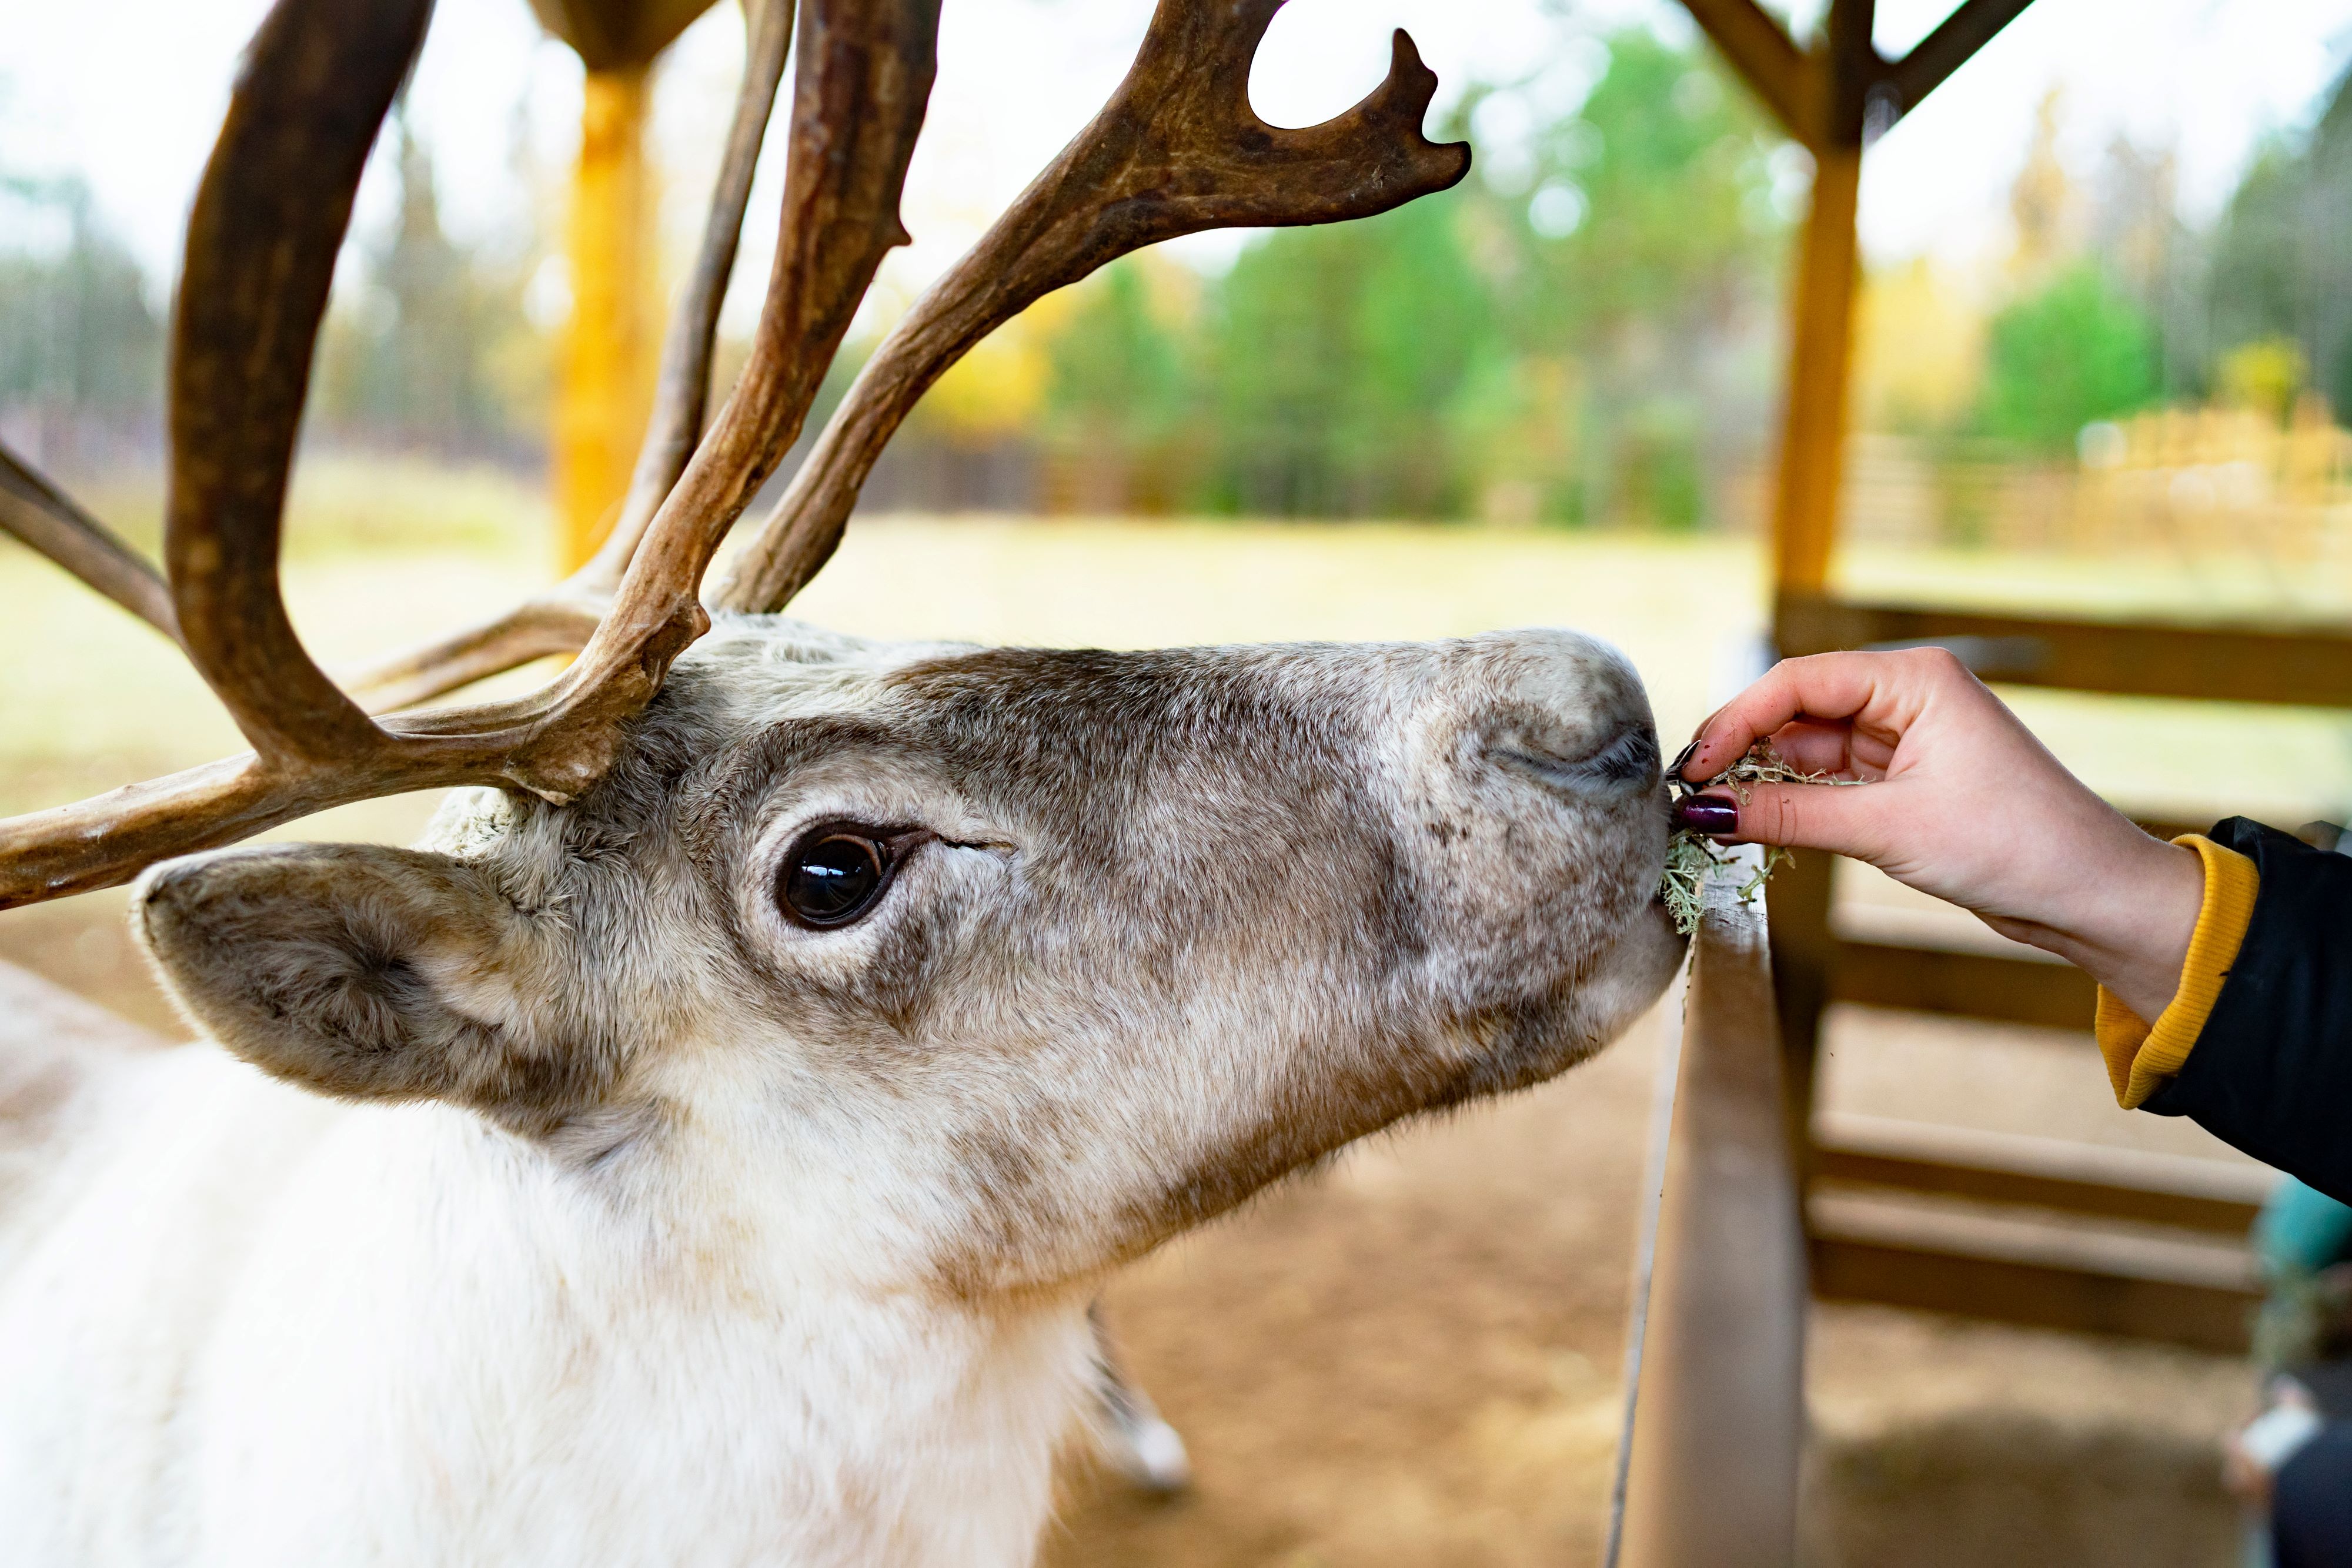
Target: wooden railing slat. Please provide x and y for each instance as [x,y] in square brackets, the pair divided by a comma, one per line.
[2248,662]
[1720,1420]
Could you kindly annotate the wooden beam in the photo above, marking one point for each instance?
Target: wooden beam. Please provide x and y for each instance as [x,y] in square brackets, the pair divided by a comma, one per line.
[1854,66]
[2221,662]
[2095,1280]
[2046,993]
[605,388]
[613,35]
[2219,1195]
[1719,1426]
[1804,955]
[1969,28]
[1820,345]
[1784,77]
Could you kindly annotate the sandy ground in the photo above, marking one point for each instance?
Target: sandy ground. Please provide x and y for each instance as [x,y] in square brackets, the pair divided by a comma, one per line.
[1411,1358]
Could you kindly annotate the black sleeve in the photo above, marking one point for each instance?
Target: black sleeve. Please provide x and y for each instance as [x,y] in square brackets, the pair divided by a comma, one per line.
[2272,1072]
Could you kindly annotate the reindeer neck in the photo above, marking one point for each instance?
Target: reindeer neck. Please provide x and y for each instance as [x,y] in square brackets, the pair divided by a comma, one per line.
[452,1320]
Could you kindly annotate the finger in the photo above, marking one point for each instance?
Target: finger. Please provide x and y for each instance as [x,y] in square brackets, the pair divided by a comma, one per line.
[1881,689]
[1812,747]
[1849,821]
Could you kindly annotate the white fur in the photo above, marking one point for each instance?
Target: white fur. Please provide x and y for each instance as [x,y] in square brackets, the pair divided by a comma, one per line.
[223,1352]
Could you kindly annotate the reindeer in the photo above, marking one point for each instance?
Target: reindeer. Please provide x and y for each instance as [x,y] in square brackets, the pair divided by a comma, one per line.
[705,1145]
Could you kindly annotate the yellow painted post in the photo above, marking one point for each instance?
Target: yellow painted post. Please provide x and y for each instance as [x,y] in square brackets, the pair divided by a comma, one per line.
[612,346]
[1820,356]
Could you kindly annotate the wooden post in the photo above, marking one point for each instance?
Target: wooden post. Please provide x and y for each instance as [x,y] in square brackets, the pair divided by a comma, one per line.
[612,344]
[1805,502]
[1821,353]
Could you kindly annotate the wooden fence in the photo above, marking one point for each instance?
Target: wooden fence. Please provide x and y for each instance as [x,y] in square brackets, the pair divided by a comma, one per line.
[1718,1413]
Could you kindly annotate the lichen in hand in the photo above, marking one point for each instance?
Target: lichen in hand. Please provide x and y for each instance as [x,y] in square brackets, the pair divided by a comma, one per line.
[1691,855]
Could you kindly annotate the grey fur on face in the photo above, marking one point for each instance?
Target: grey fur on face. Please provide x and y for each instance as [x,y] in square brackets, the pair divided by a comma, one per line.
[1167,924]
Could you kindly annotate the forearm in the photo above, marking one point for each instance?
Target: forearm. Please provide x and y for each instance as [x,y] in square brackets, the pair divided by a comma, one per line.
[2125,917]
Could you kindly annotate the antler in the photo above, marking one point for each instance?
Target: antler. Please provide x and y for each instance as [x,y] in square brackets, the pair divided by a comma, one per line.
[563,618]
[1176,150]
[46,518]
[270,216]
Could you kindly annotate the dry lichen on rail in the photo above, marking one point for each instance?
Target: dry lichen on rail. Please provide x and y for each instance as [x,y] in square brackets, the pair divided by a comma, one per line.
[1691,855]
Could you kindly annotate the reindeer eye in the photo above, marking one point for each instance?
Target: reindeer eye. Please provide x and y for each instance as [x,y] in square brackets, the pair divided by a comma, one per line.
[834,876]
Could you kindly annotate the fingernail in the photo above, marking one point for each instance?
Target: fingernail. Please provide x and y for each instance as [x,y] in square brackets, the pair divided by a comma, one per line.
[1709,815]
[1682,759]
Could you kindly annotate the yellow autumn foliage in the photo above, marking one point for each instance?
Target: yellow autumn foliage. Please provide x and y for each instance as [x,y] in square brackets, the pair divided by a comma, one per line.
[1918,348]
[999,389]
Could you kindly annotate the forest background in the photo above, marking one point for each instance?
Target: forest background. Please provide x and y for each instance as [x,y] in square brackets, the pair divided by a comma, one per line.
[1584,333]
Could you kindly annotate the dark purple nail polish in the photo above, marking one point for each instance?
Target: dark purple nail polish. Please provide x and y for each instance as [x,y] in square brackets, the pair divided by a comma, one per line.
[1681,760]
[1707,814]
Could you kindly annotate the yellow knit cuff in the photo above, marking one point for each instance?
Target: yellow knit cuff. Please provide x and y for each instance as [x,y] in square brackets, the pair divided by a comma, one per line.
[2140,1057]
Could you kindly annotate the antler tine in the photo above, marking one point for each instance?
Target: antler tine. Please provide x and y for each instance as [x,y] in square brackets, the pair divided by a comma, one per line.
[1176,150]
[47,520]
[559,619]
[268,220]
[864,82]
[563,618]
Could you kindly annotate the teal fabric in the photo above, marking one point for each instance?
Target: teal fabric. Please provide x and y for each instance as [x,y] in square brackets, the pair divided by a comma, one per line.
[2302,1231]
[2301,1240]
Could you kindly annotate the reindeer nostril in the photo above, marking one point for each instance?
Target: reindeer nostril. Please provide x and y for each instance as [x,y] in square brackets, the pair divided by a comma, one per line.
[1626,762]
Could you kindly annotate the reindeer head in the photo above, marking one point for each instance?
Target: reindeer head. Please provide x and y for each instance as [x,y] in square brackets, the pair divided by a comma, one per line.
[1025,958]
[1017,961]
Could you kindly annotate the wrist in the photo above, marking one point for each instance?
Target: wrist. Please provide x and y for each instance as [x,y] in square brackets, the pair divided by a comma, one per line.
[2129,927]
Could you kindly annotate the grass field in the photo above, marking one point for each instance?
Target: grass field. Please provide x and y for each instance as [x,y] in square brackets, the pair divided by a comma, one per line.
[381,555]
[384,554]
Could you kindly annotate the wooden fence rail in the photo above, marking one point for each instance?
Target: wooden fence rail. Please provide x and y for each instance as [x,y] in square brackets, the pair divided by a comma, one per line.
[1719,1413]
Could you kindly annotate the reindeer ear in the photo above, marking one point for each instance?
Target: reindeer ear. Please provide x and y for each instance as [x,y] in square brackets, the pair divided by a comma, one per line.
[367,973]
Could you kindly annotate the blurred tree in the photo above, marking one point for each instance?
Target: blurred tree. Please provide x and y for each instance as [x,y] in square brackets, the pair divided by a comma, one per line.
[1919,349]
[2282,253]
[78,341]
[1115,393]
[2263,375]
[2043,203]
[1650,204]
[1332,355]
[1546,342]
[1116,371]
[433,350]
[2072,351]
[1641,244]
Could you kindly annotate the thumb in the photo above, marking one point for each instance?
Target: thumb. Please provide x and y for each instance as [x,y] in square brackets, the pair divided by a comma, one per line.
[1847,819]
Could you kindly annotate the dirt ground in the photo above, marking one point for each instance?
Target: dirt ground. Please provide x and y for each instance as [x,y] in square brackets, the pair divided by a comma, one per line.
[1414,1359]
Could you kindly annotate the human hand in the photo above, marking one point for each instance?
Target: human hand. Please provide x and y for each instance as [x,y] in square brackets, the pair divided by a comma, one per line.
[1963,803]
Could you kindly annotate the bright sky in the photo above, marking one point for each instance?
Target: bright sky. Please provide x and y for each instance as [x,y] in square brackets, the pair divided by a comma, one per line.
[129,93]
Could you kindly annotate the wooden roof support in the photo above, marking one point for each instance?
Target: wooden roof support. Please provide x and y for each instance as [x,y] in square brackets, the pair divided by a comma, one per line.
[1827,96]
[1969,28]
[1821,95]
[1785,77]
